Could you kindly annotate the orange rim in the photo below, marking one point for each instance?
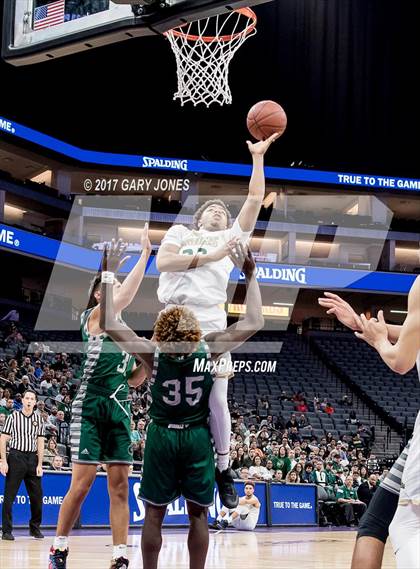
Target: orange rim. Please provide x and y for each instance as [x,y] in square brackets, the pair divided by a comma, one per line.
[177,32]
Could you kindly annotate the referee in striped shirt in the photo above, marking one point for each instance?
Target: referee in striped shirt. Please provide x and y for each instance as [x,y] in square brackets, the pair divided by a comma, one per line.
[25,432]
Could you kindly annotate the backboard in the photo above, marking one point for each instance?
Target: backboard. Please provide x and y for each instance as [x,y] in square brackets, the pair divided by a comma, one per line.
[41,30]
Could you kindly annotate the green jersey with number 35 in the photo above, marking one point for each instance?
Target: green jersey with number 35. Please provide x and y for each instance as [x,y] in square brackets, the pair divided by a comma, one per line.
[104,364]
[177,392]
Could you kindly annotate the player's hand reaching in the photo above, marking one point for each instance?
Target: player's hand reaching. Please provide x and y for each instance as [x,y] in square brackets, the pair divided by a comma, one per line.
[223,251]
[261,147]
[144,239]
[242,258]
[341,310]
[374,331]
[113,256]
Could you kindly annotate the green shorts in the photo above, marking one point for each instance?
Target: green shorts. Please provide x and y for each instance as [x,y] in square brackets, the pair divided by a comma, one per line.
[178,462]
[100,431]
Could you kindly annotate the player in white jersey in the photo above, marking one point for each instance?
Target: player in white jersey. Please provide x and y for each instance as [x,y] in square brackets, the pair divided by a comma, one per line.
[245,515]
[399,348]
[195,269]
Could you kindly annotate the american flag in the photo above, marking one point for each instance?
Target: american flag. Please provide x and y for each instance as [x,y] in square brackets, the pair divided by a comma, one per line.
[49,15]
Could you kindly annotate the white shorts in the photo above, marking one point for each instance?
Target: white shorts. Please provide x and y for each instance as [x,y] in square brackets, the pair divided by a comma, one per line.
[404,532]
[410,482]
[247,524]
[211,318]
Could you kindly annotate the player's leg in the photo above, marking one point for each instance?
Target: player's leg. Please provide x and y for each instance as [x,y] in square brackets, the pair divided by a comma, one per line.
[151,537]
[119,513]
[374,525]
[198,536]
[85,453]
[404,532]
[159,487]
[214,318]
[220,427]
[117,455]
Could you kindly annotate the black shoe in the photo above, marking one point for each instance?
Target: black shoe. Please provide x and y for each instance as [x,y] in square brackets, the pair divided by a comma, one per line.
[8,536]
[224,524]
[120,563]
[215,525]
[36,533]
[58,558]
[227,491]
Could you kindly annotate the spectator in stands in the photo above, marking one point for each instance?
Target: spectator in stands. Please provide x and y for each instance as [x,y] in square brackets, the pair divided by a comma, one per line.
[307,473]
[294,435]
[278,476]
[352,507]
[62,427]
[331,477]
[291,457]
[270,469]
[346,401]
[299,470]
[6,396]
[2,421]
[364,474]
[357,442]
[52,390]
[38,369]
[8,408]
[367,489]
[24,385]
[292,477]
[319,476]
[301,406]
[329,409]
[63,393]
[244,473]
[17,403]
[51,450]
[323,404]
[45,384]
[50,429]
[141,428]
[292,422]
[57,463]
[258,471]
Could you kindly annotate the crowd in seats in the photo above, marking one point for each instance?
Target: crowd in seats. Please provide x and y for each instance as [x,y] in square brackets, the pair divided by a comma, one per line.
[398,397]
[295,425]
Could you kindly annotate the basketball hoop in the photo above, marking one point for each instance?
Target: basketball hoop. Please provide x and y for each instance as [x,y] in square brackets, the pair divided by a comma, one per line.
[203,52]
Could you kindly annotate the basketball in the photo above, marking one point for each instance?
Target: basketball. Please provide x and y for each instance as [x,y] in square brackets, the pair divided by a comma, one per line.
[265,118]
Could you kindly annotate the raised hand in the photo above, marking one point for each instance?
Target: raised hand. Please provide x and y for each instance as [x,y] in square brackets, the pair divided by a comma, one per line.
[242,258]
[373,331]
[261,147]
[144,239]
[113,256]
[341,310]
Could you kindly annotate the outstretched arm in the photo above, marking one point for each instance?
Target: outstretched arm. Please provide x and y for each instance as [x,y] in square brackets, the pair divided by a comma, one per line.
[400,357]
[126,338]
[251,208]
[344,312]
[235,335]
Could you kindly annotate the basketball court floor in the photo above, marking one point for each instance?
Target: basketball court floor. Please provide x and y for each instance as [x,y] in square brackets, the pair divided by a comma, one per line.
[263,549]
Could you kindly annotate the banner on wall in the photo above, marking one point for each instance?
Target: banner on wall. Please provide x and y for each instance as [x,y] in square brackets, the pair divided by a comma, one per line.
[64,253]
[95,510]
[294,504]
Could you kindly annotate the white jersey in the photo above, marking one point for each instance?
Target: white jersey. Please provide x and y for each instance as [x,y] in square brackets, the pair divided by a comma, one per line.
[205,285]
[411,476]
[248,517]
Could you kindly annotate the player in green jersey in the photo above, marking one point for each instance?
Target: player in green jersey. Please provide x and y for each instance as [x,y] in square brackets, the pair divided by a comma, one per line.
[178,435]
[100,426]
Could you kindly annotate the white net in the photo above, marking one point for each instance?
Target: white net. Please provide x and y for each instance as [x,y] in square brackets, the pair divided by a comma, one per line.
[203,52]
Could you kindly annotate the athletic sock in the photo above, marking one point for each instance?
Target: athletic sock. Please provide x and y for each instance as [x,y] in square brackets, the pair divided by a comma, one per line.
[222,461]
[220,421]
[61,542]
[119,551]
